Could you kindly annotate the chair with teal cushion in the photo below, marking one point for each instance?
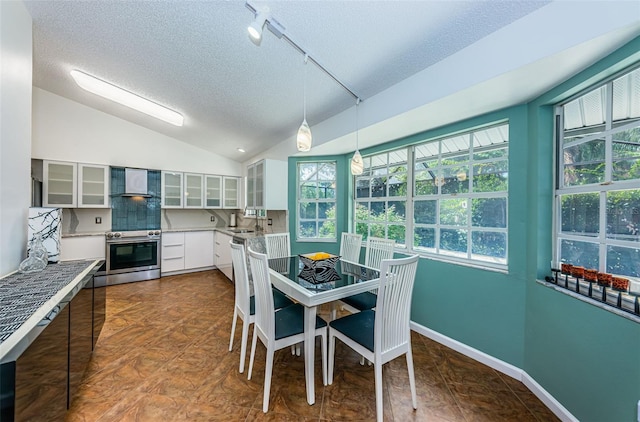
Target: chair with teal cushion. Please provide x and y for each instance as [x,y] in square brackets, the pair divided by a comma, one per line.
[277,330]
[245,303]
[383,334]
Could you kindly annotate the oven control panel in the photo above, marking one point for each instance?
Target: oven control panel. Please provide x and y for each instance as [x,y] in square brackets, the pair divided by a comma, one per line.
[151,234]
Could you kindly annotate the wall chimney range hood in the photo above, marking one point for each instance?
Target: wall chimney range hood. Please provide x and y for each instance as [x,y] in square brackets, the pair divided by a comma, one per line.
[135,183]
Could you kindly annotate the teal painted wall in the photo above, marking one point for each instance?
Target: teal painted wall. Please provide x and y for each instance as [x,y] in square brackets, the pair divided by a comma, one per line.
[586,357]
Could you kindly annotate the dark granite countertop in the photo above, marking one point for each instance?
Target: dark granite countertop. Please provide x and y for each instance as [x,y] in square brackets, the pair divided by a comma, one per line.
[27,299]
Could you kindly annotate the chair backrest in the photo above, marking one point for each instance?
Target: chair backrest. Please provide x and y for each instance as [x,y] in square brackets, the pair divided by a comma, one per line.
[377,250]
[393,307]
[265,313]
[350,245]
[278,245]
[241,277]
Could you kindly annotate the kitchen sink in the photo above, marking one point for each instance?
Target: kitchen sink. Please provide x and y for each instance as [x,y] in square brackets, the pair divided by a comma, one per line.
[240,231]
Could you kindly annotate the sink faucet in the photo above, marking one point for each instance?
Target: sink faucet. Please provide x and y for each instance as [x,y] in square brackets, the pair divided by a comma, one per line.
[258,228]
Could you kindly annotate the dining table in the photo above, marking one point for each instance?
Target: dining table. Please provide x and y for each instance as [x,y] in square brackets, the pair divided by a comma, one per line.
[313,287]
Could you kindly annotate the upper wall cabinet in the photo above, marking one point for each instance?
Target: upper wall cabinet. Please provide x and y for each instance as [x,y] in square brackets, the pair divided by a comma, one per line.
[192,190]
[231,192]
[172,189]
[265,181]
[73,185]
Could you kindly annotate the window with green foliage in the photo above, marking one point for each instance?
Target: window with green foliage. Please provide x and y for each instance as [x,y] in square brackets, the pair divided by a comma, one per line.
[445,197]
[598,183]
[316,201]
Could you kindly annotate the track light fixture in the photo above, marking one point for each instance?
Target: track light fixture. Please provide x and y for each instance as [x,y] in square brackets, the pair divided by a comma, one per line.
[264,18]
[256,27]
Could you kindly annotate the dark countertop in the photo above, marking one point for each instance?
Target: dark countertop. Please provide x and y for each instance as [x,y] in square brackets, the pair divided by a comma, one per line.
[28,299]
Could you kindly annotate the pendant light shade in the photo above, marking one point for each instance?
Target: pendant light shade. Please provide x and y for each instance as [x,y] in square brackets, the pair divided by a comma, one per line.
[304,138]
[357,166]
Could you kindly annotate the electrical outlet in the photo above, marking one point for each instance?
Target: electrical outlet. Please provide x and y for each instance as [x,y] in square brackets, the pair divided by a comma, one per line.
[270,222]
[213,218]
[98,220]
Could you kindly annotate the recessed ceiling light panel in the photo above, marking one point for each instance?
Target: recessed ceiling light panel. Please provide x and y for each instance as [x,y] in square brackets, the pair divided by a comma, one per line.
[129,99]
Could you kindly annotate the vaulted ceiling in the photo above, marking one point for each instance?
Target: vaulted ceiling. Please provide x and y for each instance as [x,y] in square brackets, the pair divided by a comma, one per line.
[404,59]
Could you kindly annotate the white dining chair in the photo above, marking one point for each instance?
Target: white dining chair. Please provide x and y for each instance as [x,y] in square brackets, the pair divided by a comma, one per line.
[245,303]
[350,245]
[277,245]
[383,334]
[378,249]
[277,330]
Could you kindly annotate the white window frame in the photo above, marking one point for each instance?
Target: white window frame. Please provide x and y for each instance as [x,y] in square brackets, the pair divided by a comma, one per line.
[318,221]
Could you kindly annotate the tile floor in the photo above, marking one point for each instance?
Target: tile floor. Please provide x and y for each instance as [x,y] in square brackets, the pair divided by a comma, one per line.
[163,356]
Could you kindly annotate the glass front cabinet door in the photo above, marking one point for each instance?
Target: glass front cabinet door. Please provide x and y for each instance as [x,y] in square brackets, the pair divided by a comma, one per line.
[60,184]
[193,190]
[213,191]
[231,192]
[171,189]
[93,186]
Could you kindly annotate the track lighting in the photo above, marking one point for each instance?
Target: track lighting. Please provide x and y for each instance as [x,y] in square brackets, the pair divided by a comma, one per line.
[256,27]
[129,99]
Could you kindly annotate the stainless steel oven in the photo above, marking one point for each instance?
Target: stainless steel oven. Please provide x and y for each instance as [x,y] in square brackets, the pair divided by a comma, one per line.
[132,256]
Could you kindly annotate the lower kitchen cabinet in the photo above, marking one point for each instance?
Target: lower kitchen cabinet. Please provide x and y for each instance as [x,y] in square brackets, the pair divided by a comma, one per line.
[187,251]
[82,247]
[40,384]
[223,254]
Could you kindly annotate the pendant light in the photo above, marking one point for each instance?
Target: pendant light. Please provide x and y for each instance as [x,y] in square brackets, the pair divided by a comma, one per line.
[304,137]
[357,165]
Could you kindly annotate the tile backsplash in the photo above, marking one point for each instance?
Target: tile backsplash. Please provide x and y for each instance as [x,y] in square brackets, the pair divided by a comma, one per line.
[135,213]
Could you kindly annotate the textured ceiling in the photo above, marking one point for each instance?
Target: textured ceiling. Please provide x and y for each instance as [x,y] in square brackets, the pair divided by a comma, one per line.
[195,57]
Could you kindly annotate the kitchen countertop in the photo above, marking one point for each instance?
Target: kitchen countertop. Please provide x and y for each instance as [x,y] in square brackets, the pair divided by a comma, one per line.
[28,299]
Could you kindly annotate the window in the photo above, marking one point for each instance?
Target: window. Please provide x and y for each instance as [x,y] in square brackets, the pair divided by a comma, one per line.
[598,185]
[316,201]
[381,197]
[450,201]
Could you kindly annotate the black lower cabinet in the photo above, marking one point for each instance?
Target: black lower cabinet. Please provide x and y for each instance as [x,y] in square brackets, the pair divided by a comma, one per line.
[41,383]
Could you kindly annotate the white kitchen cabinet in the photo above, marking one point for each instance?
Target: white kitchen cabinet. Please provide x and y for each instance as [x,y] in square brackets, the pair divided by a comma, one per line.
[172,252]
[187,251]
[198,250]
[213,191]
[231,192]
[267,185]
[82,247]
[60,184]
[172,189]
[193,190]
[93,186]
[75,185]
[223,254]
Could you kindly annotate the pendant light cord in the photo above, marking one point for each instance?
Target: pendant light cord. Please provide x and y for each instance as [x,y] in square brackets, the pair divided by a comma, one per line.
[357,122]
[304,88]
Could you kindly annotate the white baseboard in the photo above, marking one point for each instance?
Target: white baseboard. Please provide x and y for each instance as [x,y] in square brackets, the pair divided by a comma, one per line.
[506,368]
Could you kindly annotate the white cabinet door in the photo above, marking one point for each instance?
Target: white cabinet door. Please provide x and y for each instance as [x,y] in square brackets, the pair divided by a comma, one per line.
[266,185]
[171,189]
[93,186]
[223,254]
[213,191]
[231,192]
[198,249]
[172,252]
[60,184]
[82,247]
[193,190]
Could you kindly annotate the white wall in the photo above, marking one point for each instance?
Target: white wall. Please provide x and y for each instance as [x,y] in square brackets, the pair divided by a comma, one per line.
[69,131]
[15,132]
